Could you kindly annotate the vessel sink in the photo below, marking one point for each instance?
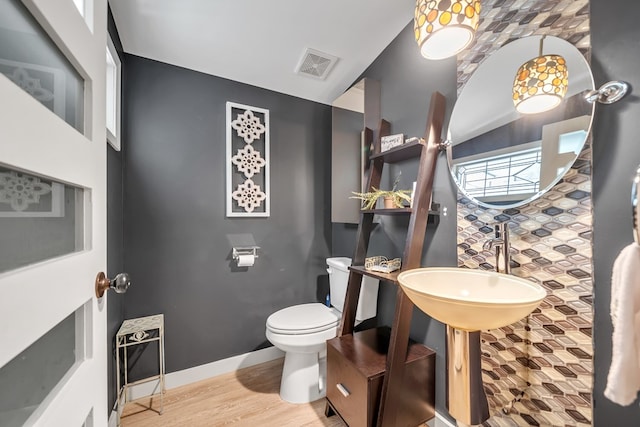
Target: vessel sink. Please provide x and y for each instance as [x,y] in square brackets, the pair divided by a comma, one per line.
[471,300]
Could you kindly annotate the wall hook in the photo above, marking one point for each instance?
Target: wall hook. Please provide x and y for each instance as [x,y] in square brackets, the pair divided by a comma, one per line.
[608,93]
[444,145]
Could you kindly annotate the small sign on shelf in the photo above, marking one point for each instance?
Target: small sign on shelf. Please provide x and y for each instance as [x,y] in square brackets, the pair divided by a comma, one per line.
[390,141]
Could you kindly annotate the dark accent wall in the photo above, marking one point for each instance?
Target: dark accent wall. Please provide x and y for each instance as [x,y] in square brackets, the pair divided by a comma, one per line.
[177,238]
[115,264]
[407,81]
[115,250]
[616,154]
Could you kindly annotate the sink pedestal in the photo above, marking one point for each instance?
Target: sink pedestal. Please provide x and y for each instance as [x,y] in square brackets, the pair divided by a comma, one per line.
[466,400]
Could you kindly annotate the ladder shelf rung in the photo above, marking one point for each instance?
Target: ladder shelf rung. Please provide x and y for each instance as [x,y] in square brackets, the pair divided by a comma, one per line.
[402,152]
[387,277]
[434,212]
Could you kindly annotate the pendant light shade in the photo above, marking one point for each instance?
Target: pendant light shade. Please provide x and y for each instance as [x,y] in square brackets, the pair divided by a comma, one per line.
[445,27]
[540,83]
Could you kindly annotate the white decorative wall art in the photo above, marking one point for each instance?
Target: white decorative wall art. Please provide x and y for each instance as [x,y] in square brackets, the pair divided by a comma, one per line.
[248,126]
[247,161]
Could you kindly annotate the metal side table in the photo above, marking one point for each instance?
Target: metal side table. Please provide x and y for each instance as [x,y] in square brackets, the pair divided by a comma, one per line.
[137,331]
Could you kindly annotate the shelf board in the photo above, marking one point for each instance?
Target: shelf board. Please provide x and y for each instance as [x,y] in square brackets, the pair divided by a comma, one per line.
[394,211]
[387,277]
[433,214]
[402,152]
[367,350]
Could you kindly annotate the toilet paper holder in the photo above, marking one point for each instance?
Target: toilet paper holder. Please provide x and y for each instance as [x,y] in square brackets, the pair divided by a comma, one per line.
[245,250]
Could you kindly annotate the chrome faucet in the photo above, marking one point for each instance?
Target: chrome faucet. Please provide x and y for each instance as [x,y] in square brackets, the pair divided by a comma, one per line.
[502,245]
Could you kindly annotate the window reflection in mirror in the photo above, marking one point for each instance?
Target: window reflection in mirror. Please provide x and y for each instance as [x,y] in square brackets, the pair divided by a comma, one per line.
[501,158]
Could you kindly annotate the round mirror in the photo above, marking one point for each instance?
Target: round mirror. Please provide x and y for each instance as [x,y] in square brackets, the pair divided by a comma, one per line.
[502,158]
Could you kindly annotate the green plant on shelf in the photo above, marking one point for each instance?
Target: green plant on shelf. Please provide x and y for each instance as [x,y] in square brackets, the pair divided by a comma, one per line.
[394,198]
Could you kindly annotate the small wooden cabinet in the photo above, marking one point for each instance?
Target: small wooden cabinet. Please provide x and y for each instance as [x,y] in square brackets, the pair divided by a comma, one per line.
[355,372]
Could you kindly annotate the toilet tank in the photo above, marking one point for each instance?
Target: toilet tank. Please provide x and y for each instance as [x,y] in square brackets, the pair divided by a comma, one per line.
[339,278]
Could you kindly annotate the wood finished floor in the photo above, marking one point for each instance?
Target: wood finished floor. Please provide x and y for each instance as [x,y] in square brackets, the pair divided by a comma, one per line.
[247,397]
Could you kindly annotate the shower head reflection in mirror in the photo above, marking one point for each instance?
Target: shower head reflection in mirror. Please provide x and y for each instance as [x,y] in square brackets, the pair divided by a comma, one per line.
[501,158]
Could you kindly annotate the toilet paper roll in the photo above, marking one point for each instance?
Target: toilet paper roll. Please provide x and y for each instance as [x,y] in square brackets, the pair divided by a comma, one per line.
[246,260]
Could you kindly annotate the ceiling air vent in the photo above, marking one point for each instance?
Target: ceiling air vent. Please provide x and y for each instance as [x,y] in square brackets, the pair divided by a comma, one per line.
[316,64]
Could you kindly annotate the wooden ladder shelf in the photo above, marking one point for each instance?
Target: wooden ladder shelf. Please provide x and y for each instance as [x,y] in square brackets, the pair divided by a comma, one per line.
[400,352]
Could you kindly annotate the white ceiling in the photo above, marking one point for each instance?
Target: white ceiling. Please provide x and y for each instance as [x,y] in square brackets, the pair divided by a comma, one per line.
[261,42]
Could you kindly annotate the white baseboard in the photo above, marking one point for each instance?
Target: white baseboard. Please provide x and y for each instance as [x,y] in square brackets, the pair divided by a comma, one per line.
[440,421]
[113,419]
[202,372]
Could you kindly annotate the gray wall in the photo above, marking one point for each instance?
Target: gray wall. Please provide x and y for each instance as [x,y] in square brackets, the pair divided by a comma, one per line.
[115,261]
[616,154]
[115,250]
[407,81]
[177,238]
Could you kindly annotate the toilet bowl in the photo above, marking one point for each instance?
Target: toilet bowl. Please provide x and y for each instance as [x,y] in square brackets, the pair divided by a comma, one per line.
[301,331]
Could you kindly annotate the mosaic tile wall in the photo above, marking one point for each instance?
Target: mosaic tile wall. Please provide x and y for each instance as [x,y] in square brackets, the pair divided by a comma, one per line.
[537,372]
[504,20]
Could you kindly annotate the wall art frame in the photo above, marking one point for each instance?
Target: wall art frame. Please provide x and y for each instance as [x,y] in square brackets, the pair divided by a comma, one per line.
[247,161]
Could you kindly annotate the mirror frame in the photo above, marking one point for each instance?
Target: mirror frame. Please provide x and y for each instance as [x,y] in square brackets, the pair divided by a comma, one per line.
[450,143]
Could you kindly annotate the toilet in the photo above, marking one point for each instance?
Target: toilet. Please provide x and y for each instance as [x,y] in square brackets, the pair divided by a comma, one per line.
[301,331]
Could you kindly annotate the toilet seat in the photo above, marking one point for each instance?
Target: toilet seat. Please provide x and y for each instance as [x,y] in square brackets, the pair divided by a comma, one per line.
[303,319]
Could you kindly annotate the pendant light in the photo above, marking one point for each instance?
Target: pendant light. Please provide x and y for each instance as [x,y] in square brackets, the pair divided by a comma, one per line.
[540,83]
[445,27]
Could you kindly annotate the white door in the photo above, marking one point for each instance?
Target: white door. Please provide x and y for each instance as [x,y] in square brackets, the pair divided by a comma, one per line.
[53,350]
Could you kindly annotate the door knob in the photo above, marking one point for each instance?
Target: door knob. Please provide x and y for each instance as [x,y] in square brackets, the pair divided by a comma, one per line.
[120,283]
